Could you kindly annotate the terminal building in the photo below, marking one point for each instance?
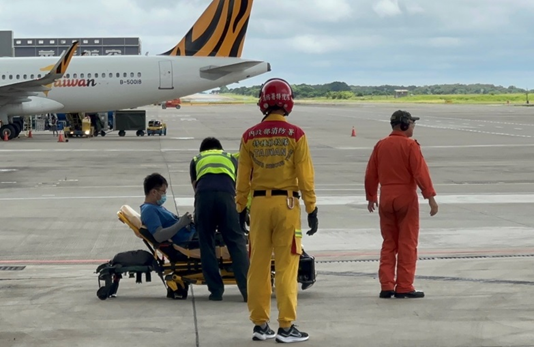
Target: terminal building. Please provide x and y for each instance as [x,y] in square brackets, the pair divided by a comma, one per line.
[11,46]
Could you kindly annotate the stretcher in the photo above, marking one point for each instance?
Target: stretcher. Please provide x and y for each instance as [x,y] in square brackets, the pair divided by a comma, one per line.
[177,266]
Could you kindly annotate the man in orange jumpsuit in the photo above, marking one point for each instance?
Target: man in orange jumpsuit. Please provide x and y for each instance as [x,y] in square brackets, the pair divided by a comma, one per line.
[398,165]
[275,164]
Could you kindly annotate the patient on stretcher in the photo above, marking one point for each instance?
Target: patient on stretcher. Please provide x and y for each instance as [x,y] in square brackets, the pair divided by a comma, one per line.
[160,222]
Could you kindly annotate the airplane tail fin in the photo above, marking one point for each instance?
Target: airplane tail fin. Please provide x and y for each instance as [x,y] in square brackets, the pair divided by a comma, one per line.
[219,32]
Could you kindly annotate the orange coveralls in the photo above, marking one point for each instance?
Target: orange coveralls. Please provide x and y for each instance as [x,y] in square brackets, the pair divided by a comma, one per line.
[398,165]
[274,155]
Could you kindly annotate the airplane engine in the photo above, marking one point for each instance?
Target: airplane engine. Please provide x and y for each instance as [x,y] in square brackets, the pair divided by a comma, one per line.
[35,105]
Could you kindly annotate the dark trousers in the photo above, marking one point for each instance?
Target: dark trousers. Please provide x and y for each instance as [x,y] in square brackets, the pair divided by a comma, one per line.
[217,210]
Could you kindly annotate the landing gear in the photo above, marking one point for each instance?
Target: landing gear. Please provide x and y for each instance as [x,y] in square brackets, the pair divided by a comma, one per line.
[8,130]
[13,129]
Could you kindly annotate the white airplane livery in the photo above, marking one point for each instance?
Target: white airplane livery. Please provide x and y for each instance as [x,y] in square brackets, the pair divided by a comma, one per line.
[209,56]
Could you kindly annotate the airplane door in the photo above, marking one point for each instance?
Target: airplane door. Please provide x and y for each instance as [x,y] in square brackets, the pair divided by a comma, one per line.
[165,75]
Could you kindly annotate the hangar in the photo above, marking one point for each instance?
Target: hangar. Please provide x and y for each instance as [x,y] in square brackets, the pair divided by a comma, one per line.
[54,46]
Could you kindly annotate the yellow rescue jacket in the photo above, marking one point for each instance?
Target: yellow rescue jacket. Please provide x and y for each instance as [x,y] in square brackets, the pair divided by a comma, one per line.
[274,154]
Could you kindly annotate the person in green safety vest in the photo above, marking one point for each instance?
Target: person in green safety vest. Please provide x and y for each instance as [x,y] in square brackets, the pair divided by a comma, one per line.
[213,172]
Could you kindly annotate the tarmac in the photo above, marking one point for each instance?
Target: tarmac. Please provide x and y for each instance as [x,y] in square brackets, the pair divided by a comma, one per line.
[58,222]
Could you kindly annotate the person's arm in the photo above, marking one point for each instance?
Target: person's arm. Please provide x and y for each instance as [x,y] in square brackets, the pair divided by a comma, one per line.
[420,171]
[244,170]
[152,222]
[371,177]
[305,173]
[193,173]
[163,234]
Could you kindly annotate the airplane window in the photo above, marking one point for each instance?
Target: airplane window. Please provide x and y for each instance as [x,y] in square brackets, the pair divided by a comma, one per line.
[131,74]
[125,74]
[138,74]
[96,75]
[67,75]
[39,76]
[18,76]
[89,75]
[110,75]
[118,74]
[74,75]
[81,75]
[25,76]
[32,76]
[3,77]
[10,77]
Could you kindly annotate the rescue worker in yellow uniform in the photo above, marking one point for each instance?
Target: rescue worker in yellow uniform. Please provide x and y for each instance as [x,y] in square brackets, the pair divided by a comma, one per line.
[275,164]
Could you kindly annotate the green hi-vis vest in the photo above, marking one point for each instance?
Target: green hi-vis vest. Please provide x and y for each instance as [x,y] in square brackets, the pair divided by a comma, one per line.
[214,161]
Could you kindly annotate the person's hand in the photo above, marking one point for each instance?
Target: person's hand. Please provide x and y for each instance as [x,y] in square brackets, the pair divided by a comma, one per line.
[433,206]
[243,216]
[372,205]
[187,218]
[313,222]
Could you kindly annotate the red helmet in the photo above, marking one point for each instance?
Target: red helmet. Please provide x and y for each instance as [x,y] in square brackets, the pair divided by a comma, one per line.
[276,92]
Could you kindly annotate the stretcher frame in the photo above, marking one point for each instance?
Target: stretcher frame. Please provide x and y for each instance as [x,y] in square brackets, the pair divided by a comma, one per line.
[178,274]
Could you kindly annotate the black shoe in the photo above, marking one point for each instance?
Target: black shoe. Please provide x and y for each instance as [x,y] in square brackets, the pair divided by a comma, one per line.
[214,297]
[386,294]
[292,335]
[259,334]
[410,295]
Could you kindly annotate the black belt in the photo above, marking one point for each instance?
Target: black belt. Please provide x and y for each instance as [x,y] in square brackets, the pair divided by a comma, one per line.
[274,192]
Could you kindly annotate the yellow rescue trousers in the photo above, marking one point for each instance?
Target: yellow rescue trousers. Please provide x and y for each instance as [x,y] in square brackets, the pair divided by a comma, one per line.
[274,226]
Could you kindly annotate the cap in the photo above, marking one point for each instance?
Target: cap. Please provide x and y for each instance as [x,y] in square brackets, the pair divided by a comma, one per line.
[399,115]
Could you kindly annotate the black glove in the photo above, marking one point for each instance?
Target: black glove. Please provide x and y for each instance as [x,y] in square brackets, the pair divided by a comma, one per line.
[313,222]
[243,216]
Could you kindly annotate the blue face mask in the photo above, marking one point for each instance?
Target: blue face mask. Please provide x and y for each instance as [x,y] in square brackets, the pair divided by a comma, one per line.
[162,200]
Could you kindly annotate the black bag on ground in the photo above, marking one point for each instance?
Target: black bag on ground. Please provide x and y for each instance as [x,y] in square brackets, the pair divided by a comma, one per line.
[134,258]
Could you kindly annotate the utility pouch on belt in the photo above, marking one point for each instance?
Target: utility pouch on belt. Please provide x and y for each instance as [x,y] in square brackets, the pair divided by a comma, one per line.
[296,247]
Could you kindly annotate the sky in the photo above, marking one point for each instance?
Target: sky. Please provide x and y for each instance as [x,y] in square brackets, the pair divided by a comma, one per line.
[360,42]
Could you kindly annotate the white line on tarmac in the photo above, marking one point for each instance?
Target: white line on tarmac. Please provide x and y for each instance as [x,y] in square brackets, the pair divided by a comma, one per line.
[341,148]
[340,200]
[423,147]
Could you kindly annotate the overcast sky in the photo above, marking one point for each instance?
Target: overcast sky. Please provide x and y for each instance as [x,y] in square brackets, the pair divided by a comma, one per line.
[361,42]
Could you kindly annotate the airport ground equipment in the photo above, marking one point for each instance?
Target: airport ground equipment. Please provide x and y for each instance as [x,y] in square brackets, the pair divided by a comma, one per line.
[128,120]
[156,127]
[178,267]
[174,103]
[78,125]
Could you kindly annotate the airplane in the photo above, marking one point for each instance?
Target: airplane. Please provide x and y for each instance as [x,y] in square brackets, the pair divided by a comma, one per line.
[207,57]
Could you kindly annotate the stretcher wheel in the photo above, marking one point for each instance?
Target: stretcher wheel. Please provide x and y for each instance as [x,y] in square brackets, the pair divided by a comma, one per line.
[102,293]
[180,294]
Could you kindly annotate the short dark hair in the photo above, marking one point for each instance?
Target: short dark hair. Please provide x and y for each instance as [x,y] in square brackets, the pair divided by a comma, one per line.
[210,143]
[154,181]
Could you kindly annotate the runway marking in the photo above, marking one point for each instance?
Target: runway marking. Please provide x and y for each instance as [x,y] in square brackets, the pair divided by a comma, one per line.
[342,148]
[317,254]
[478,120]
[450,146]
[15,150]
[340,200]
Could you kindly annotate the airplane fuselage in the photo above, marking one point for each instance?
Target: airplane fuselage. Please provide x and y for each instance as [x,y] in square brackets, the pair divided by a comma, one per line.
[104,83]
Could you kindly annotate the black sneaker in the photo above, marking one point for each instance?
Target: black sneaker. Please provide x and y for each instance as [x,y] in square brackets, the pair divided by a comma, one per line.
[410,295]
[259,334]
[293,335]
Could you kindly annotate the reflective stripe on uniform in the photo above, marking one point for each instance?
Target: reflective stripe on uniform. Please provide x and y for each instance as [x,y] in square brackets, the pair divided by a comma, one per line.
[214,162]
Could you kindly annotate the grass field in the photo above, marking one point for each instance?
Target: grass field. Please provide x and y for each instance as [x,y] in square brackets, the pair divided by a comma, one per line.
[429,99]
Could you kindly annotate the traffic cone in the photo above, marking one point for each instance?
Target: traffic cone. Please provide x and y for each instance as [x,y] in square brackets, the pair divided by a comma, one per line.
[353,132]
[60,138]
[30,134]
[6,138]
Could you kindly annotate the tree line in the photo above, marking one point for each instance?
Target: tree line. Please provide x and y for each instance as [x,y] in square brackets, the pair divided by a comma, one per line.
[341,90]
